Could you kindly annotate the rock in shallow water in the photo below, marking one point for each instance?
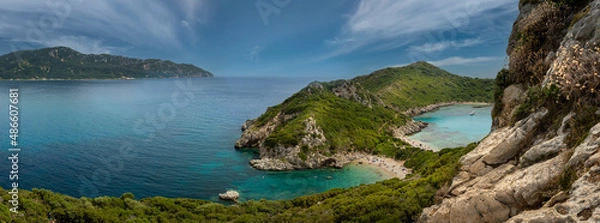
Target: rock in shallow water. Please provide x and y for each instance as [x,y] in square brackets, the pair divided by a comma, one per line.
[229,195]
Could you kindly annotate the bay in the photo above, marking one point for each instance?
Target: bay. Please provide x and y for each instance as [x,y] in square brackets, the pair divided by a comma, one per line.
[453,126]
[154,137]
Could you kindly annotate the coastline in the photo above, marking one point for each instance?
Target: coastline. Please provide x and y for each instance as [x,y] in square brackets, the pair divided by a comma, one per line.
[432,107]
[402,135]
[394,168]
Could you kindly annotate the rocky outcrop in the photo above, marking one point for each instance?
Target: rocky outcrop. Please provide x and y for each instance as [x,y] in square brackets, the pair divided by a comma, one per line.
[352,91]
[230,195]
[582,202]
[253,136]
[495,184]
[337,160]
[411,127]
[432,107]
[288,157]
[529,170]
[428,108]
[512,97]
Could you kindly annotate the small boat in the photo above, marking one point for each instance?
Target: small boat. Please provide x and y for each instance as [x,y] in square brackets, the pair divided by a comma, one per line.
[472,112]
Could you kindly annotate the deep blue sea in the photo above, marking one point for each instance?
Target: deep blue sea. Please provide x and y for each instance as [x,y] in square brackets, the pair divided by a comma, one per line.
[453,126]
[155,137]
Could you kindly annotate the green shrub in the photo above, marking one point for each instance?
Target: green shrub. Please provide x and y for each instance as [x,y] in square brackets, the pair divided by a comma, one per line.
[127,195]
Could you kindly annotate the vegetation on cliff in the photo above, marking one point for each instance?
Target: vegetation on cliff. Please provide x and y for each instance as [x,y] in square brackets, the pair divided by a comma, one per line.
[540,164]
[66,63]
[388,201]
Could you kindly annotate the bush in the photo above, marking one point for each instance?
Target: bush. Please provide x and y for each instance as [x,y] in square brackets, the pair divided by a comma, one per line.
[127,195]
[579,75]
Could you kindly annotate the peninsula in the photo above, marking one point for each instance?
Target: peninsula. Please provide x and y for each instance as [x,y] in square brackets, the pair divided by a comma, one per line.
[66,63]
[331,123]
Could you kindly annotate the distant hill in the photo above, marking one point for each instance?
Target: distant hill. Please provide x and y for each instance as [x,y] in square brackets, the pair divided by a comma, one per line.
[66,63]
[321,123]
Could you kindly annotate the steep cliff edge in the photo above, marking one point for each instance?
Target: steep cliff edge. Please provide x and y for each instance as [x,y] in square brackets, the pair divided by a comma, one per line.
[325,124]
[541,162]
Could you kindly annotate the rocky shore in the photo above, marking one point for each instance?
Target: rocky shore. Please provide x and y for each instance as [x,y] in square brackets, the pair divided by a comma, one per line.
[433,107]
[291,162]
[229,195]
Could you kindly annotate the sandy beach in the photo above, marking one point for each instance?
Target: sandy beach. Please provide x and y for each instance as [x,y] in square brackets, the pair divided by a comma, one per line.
[415,143]
[391,166]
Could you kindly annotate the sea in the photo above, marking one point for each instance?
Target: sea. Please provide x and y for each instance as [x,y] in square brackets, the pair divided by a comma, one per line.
[153,137]
[454,126]
[173,138]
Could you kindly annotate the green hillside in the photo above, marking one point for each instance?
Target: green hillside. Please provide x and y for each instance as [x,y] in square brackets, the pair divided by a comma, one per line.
[421,84]
[358,114]
[66,63]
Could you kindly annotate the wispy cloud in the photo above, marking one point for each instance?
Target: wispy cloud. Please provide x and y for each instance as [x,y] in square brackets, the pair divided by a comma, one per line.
[391,23]
[454,61]
[337,41]
[255,53]
[461,61]
[153,24]
[82,44]
[444,45]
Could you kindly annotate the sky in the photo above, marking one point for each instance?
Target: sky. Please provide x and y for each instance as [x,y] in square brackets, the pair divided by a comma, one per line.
[284,38]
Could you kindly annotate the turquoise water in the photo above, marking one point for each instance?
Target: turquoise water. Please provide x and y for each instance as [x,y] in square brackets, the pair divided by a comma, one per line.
[452,126]
[161,137]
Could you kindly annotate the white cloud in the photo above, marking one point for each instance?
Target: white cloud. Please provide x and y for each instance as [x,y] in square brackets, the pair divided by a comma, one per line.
[337,41]
[255,52]
[185,23]
[461,61]
[153,24]
[388,24]
[444,45]
[82,44]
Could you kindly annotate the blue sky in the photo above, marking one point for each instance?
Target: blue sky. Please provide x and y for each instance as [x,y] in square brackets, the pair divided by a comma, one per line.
[320,39]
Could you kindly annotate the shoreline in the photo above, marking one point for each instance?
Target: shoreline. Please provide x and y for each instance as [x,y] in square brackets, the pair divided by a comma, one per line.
[430,108]
[394,168]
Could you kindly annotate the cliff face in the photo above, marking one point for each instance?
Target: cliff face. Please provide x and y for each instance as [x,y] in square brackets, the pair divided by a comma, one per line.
[541,162]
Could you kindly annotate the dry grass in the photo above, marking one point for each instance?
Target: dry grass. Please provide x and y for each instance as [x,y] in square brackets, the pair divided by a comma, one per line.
[578,73]
[536,35]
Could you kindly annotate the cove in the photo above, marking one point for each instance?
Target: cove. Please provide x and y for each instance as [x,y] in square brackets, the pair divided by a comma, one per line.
[453,126]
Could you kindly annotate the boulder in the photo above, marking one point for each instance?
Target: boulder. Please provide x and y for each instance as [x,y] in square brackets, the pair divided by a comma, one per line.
[229,195]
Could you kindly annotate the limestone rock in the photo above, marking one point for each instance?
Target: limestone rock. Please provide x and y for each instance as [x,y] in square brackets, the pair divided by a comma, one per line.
[524,173]
[350,91]
[512,97]
[229,195]
[510,146]
[411,127]
[428,108]
[547,149]
[586,149]
[271,164]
